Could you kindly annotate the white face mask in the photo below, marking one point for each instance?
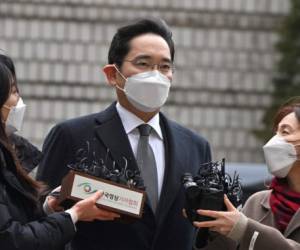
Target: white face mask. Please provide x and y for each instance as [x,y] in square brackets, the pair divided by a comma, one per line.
[15,117]
[280,156]
[147,91]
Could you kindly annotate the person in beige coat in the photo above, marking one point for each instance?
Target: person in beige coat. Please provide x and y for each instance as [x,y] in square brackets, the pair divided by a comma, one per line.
[270,219]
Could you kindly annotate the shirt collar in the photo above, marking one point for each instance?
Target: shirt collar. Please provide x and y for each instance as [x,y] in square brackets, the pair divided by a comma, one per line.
[131,121]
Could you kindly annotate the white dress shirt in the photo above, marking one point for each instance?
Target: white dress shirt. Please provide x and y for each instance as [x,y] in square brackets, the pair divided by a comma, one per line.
[130,123]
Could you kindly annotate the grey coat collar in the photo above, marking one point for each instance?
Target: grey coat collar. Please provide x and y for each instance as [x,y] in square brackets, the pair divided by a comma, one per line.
[294,223]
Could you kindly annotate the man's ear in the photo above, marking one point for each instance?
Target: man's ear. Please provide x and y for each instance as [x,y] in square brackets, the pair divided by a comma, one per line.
[111,74]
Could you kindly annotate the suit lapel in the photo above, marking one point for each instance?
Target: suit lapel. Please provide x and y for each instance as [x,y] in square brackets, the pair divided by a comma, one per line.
[266,217]
[111,132]
[175,161]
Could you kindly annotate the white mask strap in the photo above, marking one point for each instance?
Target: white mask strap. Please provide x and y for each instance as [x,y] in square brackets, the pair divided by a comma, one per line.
[120,72]
[116,85]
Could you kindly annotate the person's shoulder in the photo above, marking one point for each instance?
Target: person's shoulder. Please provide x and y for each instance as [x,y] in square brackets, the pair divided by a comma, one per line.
[78,120]
[28,154]
[72,126]
[89,119]
[81,122]
[186,131]
[21,142]
[260,195]
[256,200]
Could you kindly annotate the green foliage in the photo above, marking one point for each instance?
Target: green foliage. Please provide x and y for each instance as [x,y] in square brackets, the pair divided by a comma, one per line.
[286,80]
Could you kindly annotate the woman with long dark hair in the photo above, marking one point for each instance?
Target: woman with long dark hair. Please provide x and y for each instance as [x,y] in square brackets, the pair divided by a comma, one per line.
[270,219]
[23,224]
[28,155]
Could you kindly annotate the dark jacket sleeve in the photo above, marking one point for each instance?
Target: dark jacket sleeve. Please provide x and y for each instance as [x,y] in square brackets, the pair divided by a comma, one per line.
[28,154]
[56,151]
[48,233]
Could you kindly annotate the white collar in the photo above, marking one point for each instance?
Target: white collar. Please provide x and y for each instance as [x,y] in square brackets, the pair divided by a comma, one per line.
[131,121]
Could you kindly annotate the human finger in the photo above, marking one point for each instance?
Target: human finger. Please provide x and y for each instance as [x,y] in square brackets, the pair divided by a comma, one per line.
[228,204]
[209,213]
[53,204]
[101,214]
[184,213]
[96,196]
[205,223]
[215,229]
[107,214]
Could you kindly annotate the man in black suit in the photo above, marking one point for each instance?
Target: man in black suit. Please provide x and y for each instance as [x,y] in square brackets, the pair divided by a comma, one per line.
[140,68]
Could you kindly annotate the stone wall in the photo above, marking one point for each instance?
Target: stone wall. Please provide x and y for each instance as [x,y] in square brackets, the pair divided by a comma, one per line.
[224,62]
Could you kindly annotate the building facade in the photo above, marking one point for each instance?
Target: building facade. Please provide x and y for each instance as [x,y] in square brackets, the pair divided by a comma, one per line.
[224,62]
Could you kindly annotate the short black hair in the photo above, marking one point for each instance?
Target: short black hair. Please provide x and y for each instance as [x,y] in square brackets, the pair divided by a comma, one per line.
[119,46]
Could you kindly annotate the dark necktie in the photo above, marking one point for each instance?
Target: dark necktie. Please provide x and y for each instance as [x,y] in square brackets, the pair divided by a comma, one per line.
[146,161]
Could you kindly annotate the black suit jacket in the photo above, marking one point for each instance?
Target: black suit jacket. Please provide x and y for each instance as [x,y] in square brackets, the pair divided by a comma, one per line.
[102,132]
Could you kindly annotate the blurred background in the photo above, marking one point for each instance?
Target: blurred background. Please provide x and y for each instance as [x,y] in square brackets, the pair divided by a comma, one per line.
[225,61]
